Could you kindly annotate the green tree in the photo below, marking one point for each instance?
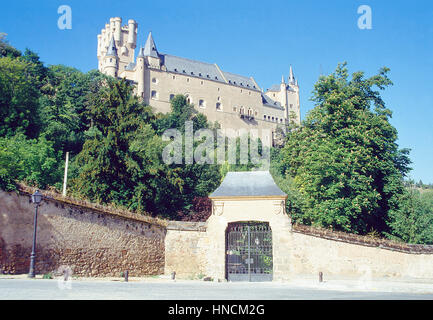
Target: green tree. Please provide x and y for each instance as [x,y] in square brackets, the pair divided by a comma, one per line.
[412,221]
[63,107]
[7,50]
[121,161]
[19,108]
[344,159]
[33,161]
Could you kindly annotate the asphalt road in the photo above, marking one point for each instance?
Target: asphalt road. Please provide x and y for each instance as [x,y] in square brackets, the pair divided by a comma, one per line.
[39,289]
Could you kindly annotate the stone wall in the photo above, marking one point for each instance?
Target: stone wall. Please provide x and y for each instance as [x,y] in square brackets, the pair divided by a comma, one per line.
[97,242]
[312,253]
[185,247]
[89,241]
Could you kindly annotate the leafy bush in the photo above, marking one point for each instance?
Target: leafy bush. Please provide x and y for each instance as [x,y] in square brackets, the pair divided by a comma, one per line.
[33,161]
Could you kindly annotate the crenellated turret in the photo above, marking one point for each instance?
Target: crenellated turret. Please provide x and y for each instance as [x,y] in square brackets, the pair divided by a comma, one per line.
[117,31]
[132,33]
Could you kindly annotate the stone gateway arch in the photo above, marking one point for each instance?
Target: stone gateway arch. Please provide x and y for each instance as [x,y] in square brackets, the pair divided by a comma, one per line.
[248,231]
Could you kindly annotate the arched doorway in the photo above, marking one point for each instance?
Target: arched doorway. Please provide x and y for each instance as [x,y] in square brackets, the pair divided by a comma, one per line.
[249,251]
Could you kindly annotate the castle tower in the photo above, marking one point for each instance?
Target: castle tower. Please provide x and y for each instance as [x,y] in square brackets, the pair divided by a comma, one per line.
[291,76]
[283,98]
[111,59]
[132,33]
[151,53]
[139,73]
[125,40]
[294,109]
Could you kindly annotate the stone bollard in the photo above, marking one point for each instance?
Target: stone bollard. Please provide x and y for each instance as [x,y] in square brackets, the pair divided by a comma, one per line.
[173,275]
[126,275]
[320,276]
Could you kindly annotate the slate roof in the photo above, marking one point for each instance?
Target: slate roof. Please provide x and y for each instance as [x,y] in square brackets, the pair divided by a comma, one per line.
[191,67]
[240,81]
[130,66]
[248,184]
[111,51]
[268,102]
[205,70]
[277,88]
[141,53]
[150,47]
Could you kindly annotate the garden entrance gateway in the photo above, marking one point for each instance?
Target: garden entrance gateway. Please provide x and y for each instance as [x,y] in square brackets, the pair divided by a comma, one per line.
[248,234]
[249,252]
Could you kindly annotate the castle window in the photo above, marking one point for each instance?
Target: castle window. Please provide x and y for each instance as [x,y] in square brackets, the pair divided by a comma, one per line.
[187,79]
[201,82]
[199,74]
[154,94]
[250,113]
[281,120]
[241,90]
[256,113]
[192,73]
[218,106]
[264,117]
[291,106]
[241,110]
[154,80]
[218,89]
[201,103]
[269,117]
[274,95]
[218,98]
[171,96]
[216,78]
[175,69]
[207,76]
[183,71]
[273,119]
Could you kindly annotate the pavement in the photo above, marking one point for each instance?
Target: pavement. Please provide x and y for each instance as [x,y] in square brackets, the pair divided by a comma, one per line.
[162,288]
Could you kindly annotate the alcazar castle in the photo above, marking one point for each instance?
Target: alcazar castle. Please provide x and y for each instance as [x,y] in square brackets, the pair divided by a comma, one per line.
[234,101]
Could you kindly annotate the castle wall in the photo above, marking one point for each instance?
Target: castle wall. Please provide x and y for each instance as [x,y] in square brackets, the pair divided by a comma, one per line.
[211,92]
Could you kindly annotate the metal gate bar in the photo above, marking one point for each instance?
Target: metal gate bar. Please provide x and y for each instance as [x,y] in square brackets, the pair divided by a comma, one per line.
[249,252]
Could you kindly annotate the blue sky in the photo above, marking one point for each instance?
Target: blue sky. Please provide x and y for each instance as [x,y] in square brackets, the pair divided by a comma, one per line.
[262,39]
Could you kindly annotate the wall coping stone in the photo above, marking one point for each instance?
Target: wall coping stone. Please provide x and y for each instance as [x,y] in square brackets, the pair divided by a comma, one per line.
[82,204]
[186,226]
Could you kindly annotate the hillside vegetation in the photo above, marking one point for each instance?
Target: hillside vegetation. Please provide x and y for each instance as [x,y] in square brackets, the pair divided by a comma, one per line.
[342,168]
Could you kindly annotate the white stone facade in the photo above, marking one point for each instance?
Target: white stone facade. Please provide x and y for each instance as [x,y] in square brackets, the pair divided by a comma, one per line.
[234,101]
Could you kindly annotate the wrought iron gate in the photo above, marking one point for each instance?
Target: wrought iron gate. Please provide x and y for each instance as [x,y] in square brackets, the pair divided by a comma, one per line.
[249,252]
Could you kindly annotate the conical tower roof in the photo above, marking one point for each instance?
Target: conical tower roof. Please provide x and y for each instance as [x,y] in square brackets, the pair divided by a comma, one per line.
[150,47]
[111,51]
[291,76]
[141,53]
